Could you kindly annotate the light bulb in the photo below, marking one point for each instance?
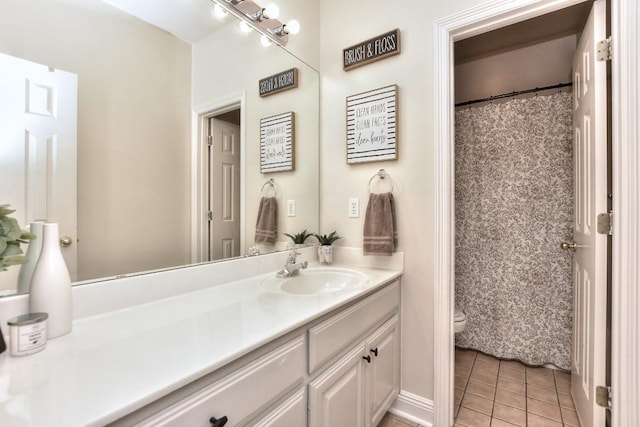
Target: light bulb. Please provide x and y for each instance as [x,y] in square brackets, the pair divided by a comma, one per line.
[244,27]
[219,11]
[293,27]
[272,11]
[264,40]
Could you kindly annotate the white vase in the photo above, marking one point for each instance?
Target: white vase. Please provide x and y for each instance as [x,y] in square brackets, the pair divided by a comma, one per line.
[325,254]
[33,253]
[51,285]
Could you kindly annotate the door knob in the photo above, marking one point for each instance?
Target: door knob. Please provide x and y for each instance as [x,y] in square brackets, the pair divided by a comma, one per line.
[65,241]
[568,246]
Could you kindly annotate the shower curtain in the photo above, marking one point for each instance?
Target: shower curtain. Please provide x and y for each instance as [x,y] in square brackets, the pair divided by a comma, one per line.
[514,206]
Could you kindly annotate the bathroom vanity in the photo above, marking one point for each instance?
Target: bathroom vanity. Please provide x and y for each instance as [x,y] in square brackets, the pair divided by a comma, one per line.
[235,349]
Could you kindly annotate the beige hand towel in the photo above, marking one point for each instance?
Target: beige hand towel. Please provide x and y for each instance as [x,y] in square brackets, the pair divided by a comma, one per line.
[380,227]
[267,222]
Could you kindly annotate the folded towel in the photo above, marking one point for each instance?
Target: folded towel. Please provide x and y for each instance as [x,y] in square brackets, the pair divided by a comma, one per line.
[380,227]
[267,223]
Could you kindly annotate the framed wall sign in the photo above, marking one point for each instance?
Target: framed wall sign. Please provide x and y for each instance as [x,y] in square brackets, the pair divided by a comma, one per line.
[279,82]
[372,125]
[374,49]
[277,143]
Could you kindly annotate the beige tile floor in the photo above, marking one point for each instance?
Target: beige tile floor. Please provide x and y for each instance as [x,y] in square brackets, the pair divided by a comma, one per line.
[391,420]
[490,392]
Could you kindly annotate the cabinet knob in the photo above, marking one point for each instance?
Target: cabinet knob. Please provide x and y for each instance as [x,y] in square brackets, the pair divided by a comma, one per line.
[367,358]
[374,351]
[218,422]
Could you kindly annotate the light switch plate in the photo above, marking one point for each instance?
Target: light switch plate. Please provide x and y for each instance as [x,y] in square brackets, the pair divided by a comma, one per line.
[354,208]
[291,208]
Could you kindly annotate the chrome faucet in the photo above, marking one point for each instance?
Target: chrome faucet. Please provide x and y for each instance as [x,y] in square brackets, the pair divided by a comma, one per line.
[291,268]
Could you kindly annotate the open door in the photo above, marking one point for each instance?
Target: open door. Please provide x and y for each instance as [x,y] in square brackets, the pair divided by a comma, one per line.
[38,137]
[590,192]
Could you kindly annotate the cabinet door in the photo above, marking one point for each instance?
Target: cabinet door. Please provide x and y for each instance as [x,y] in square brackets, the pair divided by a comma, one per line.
[383,373]
[336,397]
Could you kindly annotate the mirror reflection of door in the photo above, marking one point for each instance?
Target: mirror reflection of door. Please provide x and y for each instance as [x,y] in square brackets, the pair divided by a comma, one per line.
[38,136]
[224,185]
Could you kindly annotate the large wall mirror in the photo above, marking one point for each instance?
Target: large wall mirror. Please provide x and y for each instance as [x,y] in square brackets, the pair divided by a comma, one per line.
[146,102]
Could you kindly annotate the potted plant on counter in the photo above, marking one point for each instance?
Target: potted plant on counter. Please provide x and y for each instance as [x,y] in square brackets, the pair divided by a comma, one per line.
[299,239]
[325,250]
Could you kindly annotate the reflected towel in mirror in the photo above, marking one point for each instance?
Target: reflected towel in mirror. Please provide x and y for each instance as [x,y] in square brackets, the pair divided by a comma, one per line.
[380,228]
[267,222]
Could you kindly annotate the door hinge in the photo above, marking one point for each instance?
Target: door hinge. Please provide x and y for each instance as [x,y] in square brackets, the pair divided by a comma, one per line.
[210,140]
[605,221]
[603,396]
[604,50]
[210,215]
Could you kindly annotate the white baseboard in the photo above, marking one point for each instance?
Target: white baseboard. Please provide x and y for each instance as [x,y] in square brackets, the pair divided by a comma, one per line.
[414,408]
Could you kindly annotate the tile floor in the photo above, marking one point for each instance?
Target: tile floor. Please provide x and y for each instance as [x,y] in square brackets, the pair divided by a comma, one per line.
[391,420]
[492,392]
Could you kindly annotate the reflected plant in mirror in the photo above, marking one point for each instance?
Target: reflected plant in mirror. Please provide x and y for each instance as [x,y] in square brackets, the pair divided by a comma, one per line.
[11,236]
[140,175]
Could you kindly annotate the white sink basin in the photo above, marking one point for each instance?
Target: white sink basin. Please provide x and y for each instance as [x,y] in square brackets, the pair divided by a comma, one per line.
[316,281]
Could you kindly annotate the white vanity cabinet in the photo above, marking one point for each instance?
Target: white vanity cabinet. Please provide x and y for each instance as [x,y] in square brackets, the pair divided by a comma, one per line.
[341,369]
[358,388]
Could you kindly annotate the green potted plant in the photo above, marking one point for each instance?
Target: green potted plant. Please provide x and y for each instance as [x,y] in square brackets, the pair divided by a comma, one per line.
[299,239]
[325,250]
[11,236]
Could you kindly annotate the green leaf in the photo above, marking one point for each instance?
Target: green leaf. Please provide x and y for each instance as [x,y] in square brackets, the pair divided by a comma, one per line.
[13,260]
[13,248]
[10,228]
[4,210]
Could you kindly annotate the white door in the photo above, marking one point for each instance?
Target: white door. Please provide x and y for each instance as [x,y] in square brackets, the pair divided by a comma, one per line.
[590,258]
[224,189]
[38,133]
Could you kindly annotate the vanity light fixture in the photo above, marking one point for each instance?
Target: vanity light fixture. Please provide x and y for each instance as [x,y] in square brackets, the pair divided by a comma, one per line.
[261,19]
[265,41]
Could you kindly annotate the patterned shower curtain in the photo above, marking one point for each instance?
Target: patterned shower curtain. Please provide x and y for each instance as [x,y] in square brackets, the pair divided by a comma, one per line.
[514,206]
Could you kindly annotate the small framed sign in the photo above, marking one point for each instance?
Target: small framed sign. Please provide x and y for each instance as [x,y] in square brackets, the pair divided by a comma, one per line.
[277,143]
[279,82]
[372,125]
[374,49]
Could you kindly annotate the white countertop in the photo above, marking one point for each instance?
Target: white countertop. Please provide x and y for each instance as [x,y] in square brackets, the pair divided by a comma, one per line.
[116,362]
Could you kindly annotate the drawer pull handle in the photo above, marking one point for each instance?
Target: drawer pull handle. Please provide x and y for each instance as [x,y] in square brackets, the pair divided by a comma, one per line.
[374,351]
[218,422]
[367,358]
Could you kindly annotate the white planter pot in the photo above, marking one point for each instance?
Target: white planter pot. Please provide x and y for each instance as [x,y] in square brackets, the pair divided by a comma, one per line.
[325,254]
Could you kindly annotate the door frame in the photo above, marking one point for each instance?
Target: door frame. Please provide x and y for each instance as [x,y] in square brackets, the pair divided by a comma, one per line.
[199,196]
[625,351]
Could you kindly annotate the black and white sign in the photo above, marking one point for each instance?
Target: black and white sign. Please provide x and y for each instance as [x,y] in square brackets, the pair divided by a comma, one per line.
[278,82]
[379,47]
[277,143]
[372,125]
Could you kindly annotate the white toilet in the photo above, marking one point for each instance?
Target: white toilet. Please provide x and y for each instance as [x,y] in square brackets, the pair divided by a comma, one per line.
[459,321]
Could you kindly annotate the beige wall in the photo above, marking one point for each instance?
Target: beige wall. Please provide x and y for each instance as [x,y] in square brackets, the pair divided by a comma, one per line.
[221,68]
[133,127]
[346,23]
[539,65]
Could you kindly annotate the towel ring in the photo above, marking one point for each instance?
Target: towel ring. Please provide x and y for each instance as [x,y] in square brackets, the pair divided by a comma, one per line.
[382,174]
[272,183]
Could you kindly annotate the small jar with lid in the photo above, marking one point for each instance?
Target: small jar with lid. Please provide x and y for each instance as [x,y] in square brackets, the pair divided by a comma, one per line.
[28,333]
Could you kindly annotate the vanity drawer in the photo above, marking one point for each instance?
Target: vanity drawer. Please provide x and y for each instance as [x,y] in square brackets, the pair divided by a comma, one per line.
[330,337]
[241,393]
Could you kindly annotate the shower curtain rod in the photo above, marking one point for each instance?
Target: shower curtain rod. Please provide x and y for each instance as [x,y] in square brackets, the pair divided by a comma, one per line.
[512,94]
